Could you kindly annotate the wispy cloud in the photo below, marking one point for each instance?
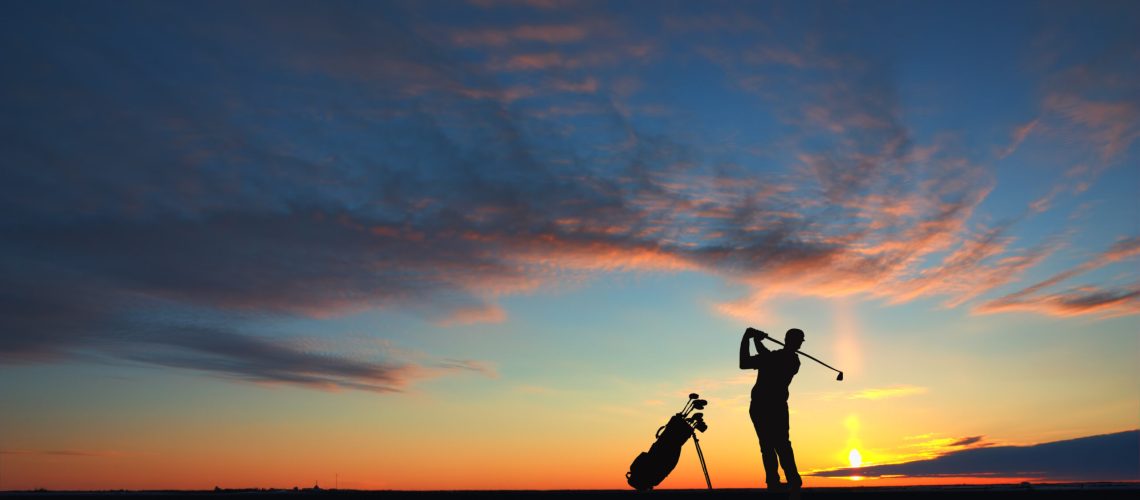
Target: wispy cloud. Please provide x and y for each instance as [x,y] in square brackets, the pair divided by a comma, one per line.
[896,391]
[967,441]
[489,313]
[551,33]
[1019,135]
[1080,300]
[272,360]
[1111,126]
[878,393]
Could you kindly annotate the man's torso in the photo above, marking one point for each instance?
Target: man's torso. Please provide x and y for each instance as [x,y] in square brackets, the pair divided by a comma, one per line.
[774,375]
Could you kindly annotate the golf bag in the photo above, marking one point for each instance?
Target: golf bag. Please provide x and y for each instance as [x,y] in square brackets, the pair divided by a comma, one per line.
[650,468]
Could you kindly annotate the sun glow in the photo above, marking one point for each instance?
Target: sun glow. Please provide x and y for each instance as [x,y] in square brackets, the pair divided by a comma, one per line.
[847,333]
[855,458]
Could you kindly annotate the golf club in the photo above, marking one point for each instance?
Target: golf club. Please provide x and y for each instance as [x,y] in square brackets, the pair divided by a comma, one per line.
[696,404]
[692,398]
[839,378]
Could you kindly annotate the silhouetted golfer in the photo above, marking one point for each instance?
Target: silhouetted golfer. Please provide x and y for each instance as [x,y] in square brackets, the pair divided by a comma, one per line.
[769,408]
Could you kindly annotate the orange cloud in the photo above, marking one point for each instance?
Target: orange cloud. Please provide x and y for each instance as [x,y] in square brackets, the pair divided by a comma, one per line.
[490,313]
[1019,135]
[1042,204]
[1111,126]
[586,86]
[509,94]
[1077,301]
[552,34]
[609,55]
[536,61]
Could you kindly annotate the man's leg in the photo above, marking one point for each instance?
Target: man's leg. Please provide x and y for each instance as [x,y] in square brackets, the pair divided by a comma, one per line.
[788,461]
[783,446]
[767,451]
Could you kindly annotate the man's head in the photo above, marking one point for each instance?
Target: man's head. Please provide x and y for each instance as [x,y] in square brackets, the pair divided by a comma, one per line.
[794,338]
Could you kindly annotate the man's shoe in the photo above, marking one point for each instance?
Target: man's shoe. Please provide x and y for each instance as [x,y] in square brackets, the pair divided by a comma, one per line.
[777,487]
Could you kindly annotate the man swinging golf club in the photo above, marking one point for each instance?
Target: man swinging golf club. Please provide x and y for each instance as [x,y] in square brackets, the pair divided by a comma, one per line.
[769,408]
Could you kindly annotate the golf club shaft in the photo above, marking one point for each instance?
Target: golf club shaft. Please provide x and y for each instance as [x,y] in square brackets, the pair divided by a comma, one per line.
[803,353]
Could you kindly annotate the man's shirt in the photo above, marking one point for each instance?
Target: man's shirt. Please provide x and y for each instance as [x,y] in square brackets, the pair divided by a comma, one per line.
[774,373]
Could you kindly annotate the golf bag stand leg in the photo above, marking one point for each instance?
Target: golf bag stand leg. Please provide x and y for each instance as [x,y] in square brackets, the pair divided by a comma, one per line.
[701,455]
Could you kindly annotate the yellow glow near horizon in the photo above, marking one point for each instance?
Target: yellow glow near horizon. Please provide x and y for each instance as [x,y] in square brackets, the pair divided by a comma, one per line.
[853,442]
[856,460]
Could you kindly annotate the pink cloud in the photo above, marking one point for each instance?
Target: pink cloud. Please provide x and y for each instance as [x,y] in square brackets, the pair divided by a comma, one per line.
[1019,135]
[1042,204]
[509,94]
[551,34]
[1080,300]
[1075,302]
[1110,126]
[575,109]
[447,366]
[586,86]
[609,55]
[536,61]
[489,313]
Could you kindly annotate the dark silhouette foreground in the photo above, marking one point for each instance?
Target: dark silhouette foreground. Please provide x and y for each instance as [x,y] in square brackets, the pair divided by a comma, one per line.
[769,407]
[650,468]
[1111,491]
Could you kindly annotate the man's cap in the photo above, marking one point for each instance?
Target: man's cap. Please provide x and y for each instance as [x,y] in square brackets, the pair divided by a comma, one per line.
[794,333]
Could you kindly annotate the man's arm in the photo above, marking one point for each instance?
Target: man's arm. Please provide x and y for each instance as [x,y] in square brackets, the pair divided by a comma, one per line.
[758,339]
[747,361]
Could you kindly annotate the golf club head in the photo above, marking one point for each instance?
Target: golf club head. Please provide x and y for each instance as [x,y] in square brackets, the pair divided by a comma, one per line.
[698,416]
[700,404]
[701,426]
[840,377]
[693,395]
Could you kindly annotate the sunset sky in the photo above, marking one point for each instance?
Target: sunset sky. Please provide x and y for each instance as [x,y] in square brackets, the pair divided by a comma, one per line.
[494,244]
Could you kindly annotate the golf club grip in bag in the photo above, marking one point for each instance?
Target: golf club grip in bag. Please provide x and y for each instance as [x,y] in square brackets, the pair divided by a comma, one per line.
[650,468]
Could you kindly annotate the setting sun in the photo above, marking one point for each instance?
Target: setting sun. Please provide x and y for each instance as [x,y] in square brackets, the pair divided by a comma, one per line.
[855,458]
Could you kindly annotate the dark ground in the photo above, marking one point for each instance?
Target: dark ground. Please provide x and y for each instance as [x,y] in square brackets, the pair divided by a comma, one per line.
[1013,491]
